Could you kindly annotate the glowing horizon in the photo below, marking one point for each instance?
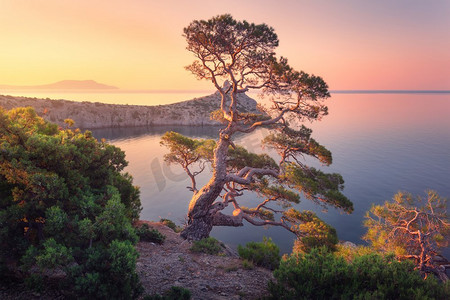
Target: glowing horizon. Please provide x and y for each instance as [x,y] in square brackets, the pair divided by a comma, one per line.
[137,45]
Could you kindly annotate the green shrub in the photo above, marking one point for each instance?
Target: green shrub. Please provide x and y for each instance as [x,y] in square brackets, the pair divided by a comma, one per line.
[150,235]
[349,253]
[322,275]
[171,225]
[207,245]
[174,293]
[108,273]
[316,234]
[34,282]
[66,206]
[248,265]
[265,254]
[178,293]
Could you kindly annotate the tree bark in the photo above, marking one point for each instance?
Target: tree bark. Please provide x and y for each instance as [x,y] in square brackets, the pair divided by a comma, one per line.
[200,220]
[198,228]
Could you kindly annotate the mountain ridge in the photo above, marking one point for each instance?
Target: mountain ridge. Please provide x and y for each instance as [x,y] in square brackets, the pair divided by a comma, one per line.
[63,85]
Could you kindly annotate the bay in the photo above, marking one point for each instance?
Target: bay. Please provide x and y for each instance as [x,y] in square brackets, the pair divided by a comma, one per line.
[381,143]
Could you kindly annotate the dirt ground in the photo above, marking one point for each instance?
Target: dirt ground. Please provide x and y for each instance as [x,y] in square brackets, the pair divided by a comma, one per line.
[206,276]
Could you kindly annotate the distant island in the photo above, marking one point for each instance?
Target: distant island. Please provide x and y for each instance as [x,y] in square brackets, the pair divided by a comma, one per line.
[63,85]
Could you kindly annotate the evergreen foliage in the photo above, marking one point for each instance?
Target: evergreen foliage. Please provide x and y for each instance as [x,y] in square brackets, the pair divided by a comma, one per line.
[317,233]
[350,252]
[208,245]
[322,275]
[150,235]
[413,228]
[171,224]
[239,56]
[174,293]
[66,208]
[265,254]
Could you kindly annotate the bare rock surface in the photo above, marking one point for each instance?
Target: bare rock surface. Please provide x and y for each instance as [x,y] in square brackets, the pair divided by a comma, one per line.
[207,276]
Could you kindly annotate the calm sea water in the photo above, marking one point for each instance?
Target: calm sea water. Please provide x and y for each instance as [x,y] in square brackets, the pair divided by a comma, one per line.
[381,143]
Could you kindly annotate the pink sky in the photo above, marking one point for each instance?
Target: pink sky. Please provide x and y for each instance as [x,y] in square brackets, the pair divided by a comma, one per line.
[137,44]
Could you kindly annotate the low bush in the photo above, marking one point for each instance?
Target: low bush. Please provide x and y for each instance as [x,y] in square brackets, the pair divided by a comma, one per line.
[171,225]
[350,252]
[317,234]
[265,254]
[150,235]
[323,275]
[207,245]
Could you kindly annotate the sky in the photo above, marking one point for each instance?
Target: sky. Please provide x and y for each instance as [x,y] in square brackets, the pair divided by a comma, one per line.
[138,44]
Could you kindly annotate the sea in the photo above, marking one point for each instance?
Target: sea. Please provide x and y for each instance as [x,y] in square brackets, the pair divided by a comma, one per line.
[382,142]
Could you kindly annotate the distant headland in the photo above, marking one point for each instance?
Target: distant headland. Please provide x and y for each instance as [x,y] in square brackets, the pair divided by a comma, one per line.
[88,115]
[63,85]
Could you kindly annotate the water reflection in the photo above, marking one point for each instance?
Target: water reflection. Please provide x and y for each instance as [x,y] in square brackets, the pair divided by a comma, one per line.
[114,134]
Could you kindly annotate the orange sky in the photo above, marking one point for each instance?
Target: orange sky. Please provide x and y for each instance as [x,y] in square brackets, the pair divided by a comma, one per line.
[137,44]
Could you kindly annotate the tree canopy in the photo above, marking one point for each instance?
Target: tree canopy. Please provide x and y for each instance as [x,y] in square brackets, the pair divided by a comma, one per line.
[238,56]
[66,206]
[413,228]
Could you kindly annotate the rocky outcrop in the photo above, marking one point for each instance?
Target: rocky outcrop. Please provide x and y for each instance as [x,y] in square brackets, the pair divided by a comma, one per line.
[88,115]
[206,276]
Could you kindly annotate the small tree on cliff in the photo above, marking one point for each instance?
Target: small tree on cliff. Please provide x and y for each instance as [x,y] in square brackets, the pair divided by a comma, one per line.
[412,228]
[237,57]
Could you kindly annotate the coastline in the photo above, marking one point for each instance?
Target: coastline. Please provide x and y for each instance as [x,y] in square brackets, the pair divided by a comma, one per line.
[96,115]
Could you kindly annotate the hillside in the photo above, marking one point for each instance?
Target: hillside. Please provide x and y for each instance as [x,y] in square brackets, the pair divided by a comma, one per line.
[62,85]
[160,267]
[206,276]
[88,115]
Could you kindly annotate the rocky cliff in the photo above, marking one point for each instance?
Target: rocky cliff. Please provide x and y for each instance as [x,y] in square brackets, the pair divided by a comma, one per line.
[88,115]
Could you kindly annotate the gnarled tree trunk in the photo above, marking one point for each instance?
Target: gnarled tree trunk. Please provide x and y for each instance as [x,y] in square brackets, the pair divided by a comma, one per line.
[198,228]
[200,215]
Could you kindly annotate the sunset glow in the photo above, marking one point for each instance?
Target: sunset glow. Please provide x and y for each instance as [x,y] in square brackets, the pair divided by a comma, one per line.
[139,45]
